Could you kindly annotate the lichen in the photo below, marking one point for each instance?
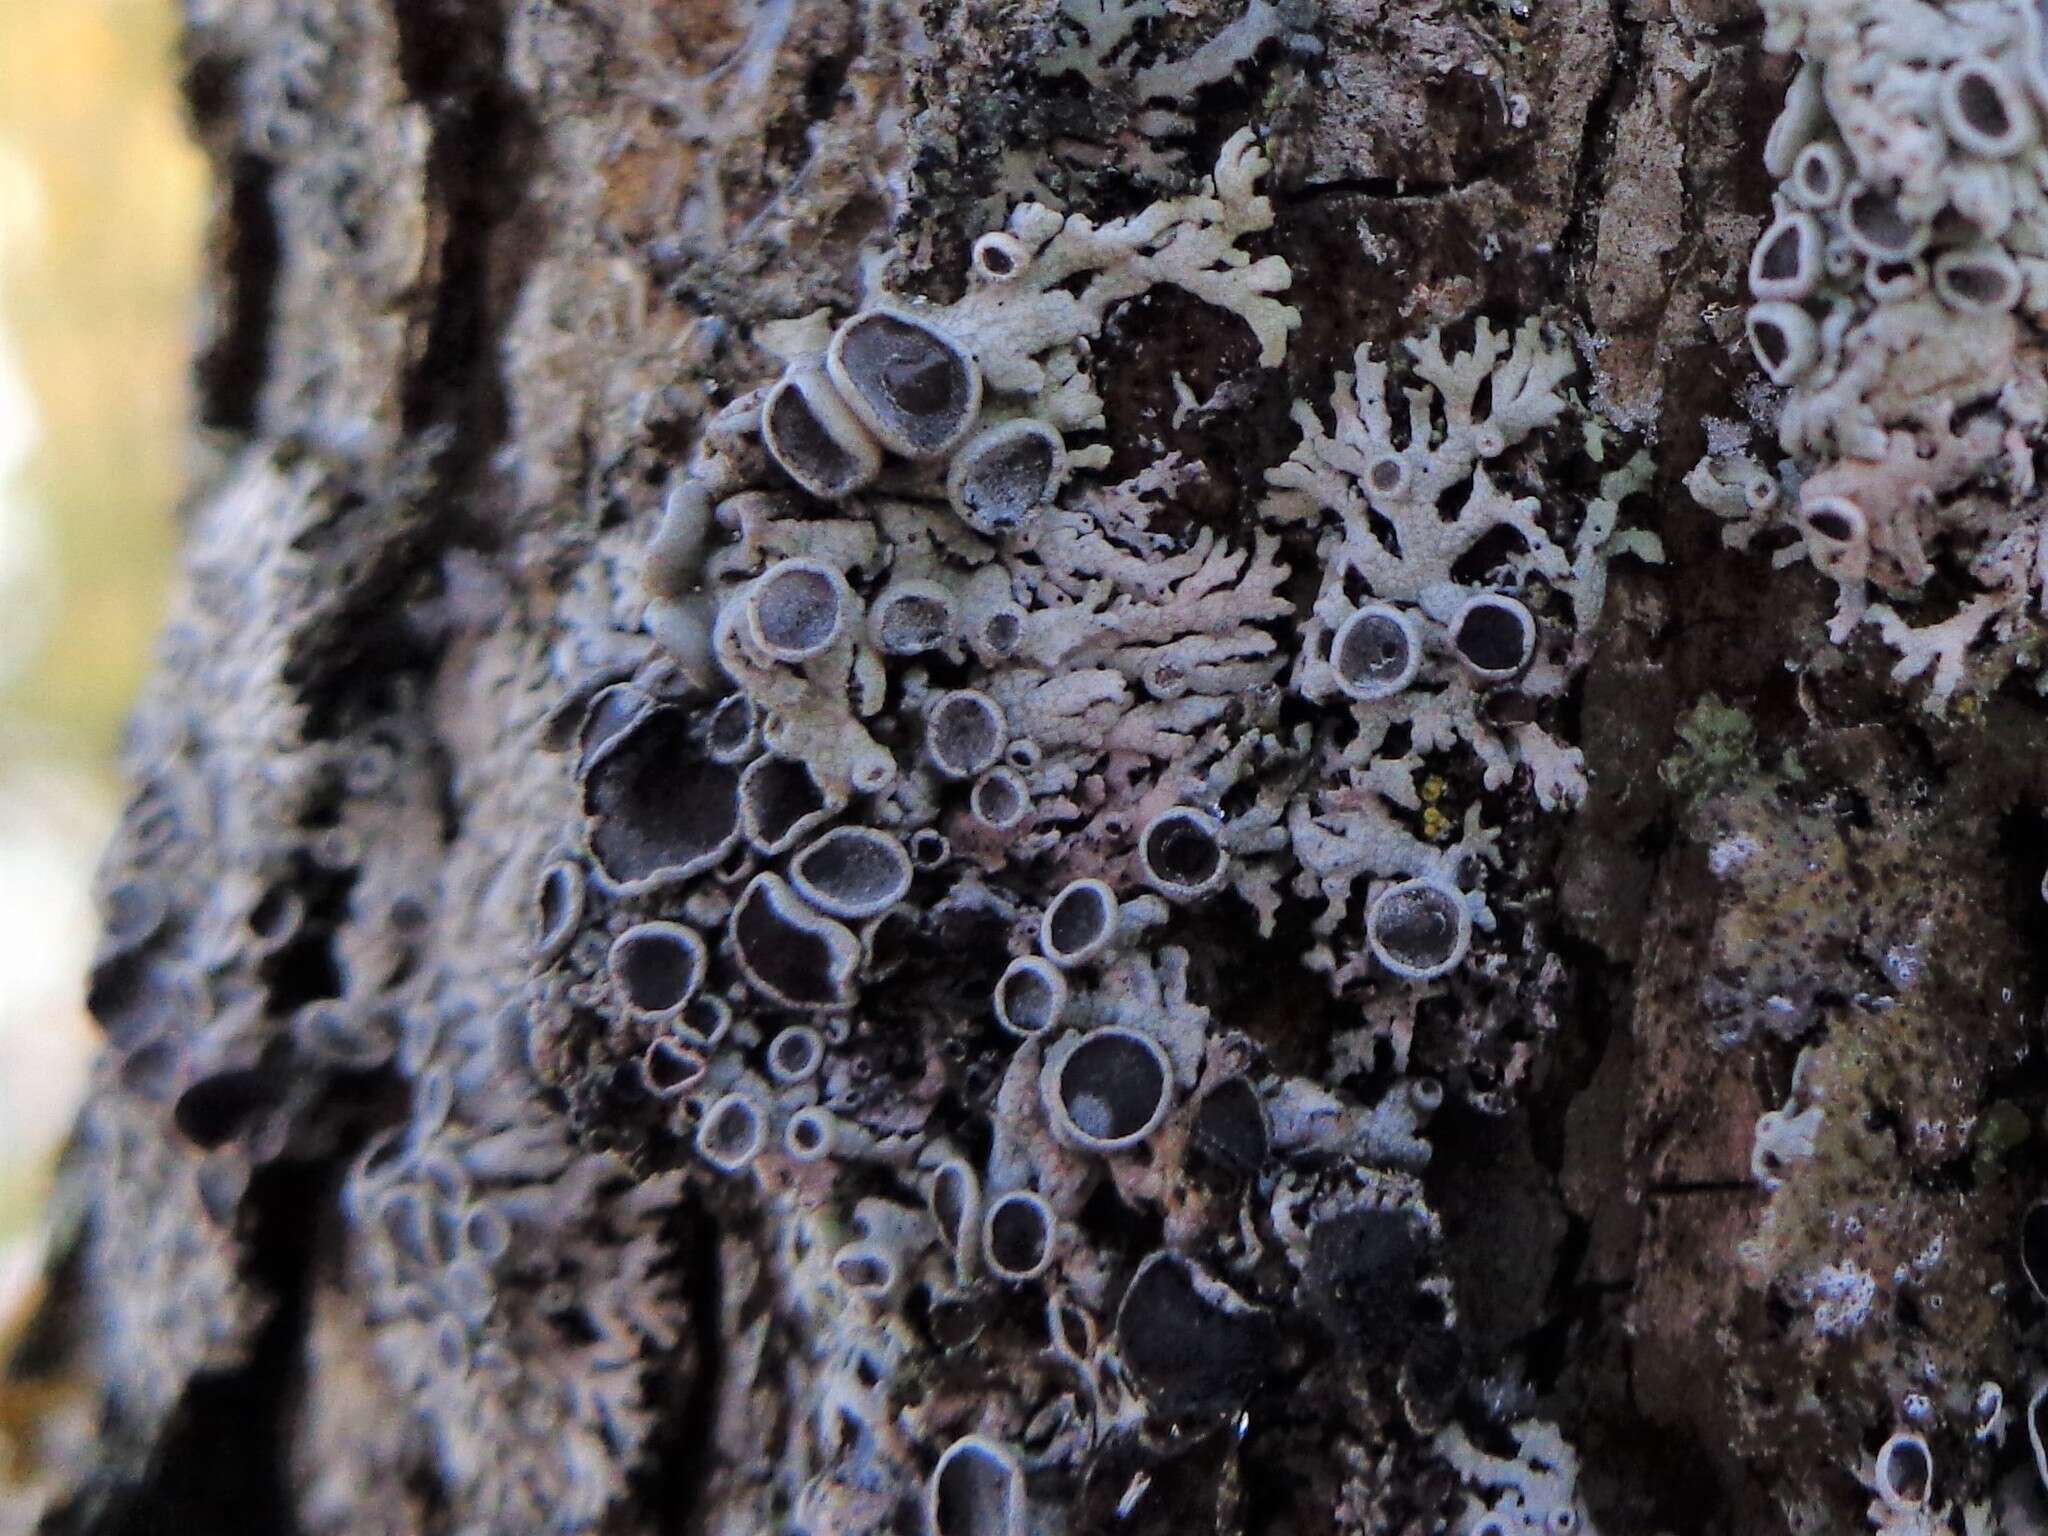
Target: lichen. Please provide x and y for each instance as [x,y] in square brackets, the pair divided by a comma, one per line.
[1716,749]
[1900,288]
[1535,1491]
[903,634]
[1441,592]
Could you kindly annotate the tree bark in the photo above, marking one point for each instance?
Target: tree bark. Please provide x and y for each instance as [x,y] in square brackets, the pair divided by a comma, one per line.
[484,274]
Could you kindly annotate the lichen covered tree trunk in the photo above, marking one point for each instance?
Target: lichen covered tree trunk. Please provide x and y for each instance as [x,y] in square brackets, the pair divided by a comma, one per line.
[716,520]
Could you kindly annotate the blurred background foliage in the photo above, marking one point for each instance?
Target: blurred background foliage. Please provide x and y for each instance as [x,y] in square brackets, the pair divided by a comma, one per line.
[101,201]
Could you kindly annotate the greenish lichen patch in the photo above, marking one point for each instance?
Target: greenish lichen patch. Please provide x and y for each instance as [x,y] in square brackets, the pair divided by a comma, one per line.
[1716,750]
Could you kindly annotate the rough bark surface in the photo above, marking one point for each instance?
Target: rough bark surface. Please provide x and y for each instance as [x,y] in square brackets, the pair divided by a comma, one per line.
[482,276]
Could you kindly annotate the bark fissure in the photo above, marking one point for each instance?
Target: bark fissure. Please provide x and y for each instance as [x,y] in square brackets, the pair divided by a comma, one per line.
[229,374]
[1392,189]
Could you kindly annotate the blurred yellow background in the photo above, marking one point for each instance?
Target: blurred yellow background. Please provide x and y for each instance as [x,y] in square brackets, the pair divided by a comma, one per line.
[101,201]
